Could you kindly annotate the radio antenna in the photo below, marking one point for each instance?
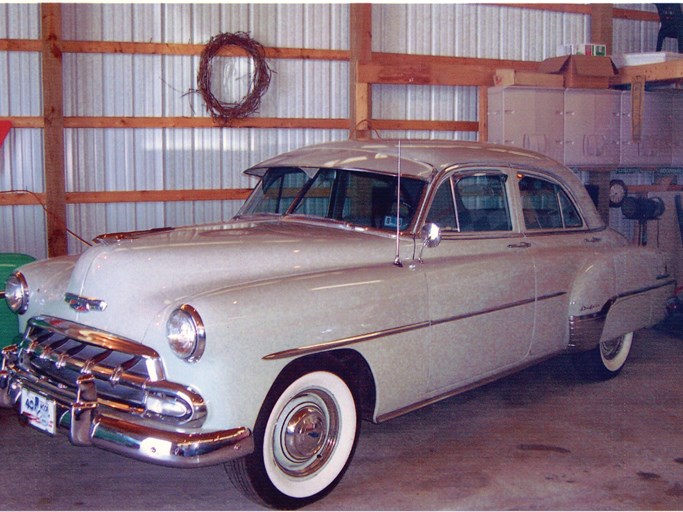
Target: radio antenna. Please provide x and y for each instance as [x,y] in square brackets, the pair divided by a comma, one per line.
[397,259]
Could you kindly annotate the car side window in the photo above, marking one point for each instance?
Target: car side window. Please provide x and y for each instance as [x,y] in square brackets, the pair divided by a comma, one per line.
[472,204]
[546,205]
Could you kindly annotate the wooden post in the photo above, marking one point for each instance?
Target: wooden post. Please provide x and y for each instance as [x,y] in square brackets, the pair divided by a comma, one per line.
[360,101]
[483,113]
[601,25]
[637,108]
[601,178]
[53,133]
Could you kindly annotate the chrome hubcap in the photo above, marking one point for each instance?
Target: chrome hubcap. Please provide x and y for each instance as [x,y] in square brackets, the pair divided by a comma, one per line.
[306,433]
[611,348]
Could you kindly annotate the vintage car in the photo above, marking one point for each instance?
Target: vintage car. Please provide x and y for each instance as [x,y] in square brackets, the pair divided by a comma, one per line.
[360,280]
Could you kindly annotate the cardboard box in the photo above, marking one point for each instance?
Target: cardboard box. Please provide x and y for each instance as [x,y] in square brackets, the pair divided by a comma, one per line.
[581,71]
[508,77]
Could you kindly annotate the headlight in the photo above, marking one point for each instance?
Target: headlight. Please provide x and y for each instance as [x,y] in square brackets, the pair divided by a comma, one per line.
[16,293]
[185,332]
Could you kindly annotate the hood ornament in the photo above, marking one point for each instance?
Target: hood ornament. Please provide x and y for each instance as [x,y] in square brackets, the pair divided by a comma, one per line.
[84,304]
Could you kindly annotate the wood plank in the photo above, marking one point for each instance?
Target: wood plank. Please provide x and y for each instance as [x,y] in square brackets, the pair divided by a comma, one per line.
[508,77]
[21,198]
[635,15]
[568,8]
[20,45]
[415,124]
[147,196]
[53,133]
[668,71]
[602,25]
[26,121]
[181,122]
[203,122]
[637,107]
[425,74]
[114,47]
[624,14]
[483,114]
[394,59]
[360,92]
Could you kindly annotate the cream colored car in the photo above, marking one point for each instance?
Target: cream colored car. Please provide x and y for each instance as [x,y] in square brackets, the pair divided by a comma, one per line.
[360,280]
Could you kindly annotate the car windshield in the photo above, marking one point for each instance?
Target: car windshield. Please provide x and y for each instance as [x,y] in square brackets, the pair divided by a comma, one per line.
[360,198]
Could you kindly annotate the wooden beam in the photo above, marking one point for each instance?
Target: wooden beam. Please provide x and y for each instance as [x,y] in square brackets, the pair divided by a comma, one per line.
[417,124]
[669,71]
[53,132]
[26,121]
[625,14]
[601,25]
[181,122]
[567,7]
[635,15]
[425,74]
[360,91]
[483,114]
[20,198]
[194,49]
[153,196]
[637,107]
[204,122]
[398,59]
[20,45]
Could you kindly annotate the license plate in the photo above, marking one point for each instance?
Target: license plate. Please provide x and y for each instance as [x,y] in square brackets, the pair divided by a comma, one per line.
[39,410]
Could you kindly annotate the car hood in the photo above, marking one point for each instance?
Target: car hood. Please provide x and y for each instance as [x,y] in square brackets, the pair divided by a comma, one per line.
[139,277]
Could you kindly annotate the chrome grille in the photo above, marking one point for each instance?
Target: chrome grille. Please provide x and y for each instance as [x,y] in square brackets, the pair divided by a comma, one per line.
[61,351]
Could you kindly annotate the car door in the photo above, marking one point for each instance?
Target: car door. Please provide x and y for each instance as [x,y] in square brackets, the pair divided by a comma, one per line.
[560,246]
[481,281]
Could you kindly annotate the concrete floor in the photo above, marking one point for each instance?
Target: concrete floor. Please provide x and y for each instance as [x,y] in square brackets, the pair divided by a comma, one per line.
[541,439]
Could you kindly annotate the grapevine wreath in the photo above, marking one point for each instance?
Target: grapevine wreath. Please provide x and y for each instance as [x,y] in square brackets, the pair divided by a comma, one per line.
[221,111]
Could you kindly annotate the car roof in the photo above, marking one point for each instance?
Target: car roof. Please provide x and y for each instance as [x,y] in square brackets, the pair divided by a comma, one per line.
[419,158]
[424,158]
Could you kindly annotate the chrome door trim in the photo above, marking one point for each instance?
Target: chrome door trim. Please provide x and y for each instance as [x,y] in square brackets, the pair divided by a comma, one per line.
[360,338]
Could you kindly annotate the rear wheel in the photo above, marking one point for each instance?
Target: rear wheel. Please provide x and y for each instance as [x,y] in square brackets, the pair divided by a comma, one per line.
[606,360]
[304,437]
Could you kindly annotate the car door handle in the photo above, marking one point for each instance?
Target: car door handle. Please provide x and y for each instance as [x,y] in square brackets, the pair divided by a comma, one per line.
[521,245]
[593,240]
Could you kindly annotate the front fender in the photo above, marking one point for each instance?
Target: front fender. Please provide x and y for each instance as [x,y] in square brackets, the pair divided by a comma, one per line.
[253,331]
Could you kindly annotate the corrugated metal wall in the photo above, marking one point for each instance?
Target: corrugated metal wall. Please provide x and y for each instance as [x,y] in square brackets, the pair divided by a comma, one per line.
[22,228]
[149,85]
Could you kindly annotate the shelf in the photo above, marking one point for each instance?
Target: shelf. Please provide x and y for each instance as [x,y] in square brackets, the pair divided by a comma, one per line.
[669,71]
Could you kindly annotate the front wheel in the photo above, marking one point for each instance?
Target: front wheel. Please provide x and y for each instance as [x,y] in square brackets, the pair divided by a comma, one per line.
[304,437]
[606,360]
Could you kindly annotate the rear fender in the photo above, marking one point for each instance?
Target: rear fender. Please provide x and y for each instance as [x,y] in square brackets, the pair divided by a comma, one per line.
[590,302]
[618,293]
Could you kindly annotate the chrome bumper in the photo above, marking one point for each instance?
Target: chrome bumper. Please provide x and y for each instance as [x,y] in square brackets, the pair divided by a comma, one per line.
[88,423]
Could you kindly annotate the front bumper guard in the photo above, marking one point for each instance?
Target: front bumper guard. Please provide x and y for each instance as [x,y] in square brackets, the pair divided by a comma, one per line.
[87,423]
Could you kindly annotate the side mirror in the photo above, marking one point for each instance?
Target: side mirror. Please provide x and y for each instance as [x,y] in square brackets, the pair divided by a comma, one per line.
[431,235]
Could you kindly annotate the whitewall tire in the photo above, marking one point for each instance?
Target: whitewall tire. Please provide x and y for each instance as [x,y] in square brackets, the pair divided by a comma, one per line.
[606,360]
[304,440]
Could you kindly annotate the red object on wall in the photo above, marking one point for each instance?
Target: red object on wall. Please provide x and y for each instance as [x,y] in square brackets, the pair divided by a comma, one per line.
[4,130]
